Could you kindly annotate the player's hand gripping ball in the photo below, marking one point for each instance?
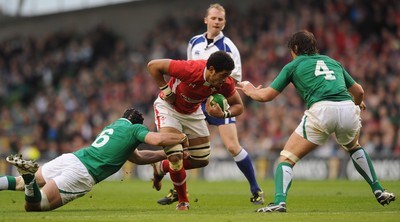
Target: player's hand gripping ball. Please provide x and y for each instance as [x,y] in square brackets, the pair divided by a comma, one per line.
[220,99]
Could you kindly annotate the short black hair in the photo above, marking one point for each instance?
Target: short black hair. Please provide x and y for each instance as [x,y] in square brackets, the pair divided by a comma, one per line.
[303,42]
[134,116]
[221,61]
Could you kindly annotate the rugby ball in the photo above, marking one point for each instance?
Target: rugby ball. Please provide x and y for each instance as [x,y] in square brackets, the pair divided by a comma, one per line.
[220,99]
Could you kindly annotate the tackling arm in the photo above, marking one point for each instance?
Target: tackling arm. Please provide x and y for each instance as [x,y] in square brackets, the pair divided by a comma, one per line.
[142,157]
[259,94]
[166,139]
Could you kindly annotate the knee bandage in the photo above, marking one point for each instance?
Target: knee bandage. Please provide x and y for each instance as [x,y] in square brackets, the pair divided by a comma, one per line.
[352,148]
[290,156]
[173,150]
[200,152]
[44,203]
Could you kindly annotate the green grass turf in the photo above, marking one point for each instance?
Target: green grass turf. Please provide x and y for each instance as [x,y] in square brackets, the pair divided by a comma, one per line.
[228,201]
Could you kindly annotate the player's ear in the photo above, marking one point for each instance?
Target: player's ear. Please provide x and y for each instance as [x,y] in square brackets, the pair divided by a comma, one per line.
[205,20]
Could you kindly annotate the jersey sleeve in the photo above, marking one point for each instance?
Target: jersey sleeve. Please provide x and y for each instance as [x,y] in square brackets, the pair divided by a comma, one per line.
[283,79]
[349,81]
[140,132]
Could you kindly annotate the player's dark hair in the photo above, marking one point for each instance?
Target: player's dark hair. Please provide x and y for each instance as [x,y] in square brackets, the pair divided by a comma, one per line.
[221,61]
[303,42]
[133,115]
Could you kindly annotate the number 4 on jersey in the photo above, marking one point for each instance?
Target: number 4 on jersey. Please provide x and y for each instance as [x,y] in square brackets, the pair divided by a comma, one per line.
[321,69]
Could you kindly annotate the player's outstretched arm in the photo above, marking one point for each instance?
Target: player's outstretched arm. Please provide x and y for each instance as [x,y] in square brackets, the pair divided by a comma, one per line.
[166,139]
[257,93]
[142,157]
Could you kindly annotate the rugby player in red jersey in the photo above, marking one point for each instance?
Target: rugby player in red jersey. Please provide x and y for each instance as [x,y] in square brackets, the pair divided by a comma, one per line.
[178,109]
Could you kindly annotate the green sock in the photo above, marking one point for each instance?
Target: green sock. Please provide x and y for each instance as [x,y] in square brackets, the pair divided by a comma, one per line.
[7,183]
[363,165]
[283,180]
[32,190]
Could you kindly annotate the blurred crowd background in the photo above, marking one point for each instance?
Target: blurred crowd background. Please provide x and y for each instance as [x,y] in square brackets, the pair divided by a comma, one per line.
[58,91]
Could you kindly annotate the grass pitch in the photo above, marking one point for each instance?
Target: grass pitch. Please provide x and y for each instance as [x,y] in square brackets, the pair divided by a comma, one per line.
[134,200]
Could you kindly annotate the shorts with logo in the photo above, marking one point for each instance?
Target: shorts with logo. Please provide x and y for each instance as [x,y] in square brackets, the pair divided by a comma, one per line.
[70,175]
[327,117]
[193,125]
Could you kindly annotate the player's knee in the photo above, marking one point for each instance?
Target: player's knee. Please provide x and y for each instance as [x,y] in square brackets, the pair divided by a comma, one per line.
[351,146]
[233,148]
[176,165]
[174,152]
[289,157]
[200,152]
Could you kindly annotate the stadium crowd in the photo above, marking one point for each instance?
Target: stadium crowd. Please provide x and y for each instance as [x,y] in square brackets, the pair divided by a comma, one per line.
[57,91]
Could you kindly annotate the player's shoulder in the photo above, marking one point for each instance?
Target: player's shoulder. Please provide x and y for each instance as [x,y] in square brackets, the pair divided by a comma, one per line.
[190,66]
[188,62]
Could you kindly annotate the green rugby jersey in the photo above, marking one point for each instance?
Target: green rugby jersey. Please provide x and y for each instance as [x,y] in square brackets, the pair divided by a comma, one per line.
[316,78]
[112,148]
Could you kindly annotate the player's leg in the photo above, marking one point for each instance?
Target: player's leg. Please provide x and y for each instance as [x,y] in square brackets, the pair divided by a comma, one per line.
[174,166]
[27,170]
[10,183]
[178,174]
[347,136]
[153,157]
[363,164]
[229,136]
[295,148]
[305,139]
[199,149]
[66,180]
[17,183]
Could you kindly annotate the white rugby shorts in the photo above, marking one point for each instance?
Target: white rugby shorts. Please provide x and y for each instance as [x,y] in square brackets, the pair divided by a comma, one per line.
[70,175]
[193,125]
[327,117]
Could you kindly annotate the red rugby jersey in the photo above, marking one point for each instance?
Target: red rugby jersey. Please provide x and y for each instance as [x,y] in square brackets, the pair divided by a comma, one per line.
[188,83]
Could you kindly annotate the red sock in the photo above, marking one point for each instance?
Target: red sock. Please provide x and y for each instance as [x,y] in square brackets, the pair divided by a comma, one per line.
[165,166]
[179,180]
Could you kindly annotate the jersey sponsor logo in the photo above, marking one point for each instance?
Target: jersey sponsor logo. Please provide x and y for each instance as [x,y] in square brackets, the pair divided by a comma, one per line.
[190,100]
[197,52]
